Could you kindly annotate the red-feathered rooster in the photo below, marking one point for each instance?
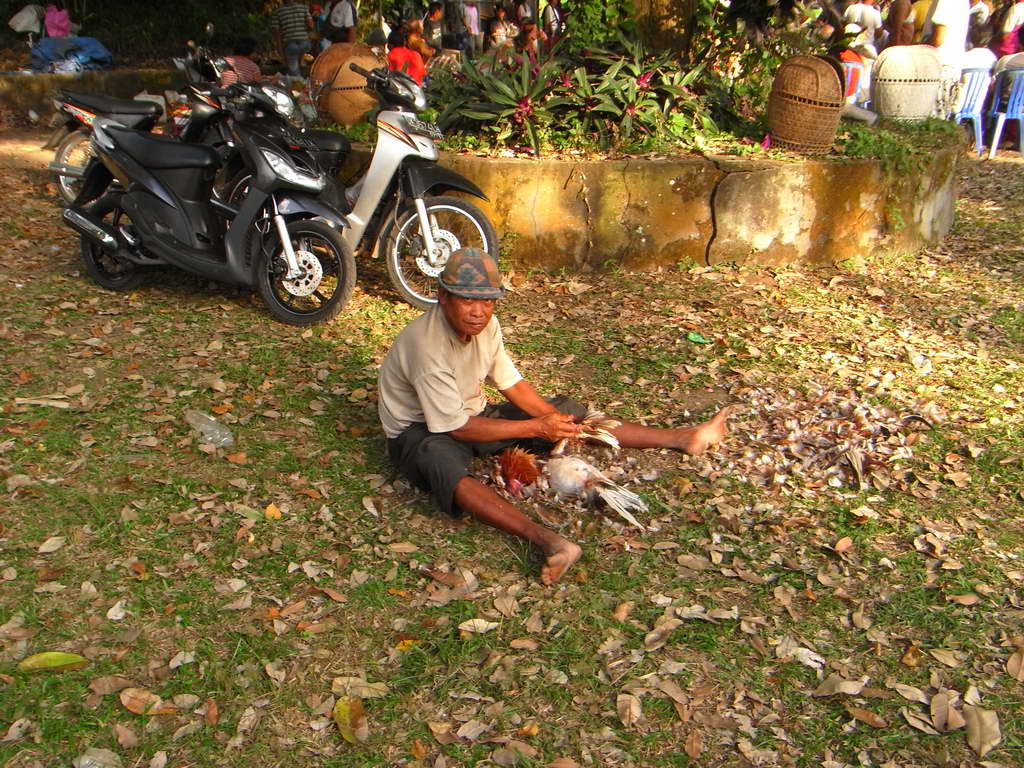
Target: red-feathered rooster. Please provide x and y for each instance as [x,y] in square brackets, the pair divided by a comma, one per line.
[568,476]
[518,469]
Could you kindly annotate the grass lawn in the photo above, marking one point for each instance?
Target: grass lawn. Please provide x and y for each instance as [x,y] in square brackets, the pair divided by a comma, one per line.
[839,583]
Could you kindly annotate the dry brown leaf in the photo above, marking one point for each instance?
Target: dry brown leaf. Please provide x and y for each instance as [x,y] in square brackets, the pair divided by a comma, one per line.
[836,684]
[844,544]
[629,709]
[945,717]
[945,656]
[472,729]
[694,744]
[478,626]
[418,749]
[351,719]
[982,729]
[912,656]
[143,702]
[237,458]
[126,737]
[563,762]
[212,713]
[910,693]
[919,721]
[966,599]
[873,719]
[673,691]
[358,688]
[622,610]
[103,686]
[694,562]
[1015,665]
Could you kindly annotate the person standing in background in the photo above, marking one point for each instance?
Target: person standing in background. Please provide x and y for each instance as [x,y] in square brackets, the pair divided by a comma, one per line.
[291,25]
[342,23]
[243,68]
[554,23]
[900,23]
[415,40]
[503,31]
[1007,37]
[433,26]
[474,31]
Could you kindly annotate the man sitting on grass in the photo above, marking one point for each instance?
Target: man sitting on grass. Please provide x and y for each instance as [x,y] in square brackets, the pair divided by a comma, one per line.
[436,417]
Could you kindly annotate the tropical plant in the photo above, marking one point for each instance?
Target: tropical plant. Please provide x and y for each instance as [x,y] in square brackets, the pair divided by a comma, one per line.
[513,99]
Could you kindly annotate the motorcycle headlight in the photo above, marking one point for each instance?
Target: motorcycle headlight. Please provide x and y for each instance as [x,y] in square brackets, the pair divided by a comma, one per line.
[405,87]
[284,105]
[291,174]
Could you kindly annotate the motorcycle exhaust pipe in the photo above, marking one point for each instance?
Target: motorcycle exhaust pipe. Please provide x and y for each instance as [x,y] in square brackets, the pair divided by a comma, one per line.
[74,171]
[84,224]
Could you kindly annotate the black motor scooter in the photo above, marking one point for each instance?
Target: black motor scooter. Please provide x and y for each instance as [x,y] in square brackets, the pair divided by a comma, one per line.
[146,201]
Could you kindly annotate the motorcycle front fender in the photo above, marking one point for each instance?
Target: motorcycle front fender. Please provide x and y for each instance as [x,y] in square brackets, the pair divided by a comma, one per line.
[293,203]
[58,135]
[421,177]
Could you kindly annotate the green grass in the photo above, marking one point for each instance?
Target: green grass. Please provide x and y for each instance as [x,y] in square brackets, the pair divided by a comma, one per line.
[174,509]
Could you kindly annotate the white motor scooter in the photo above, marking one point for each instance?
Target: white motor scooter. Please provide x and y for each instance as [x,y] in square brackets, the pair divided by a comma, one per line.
[400,207]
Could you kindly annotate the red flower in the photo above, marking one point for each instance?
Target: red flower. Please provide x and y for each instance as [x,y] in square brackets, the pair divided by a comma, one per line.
[643,82]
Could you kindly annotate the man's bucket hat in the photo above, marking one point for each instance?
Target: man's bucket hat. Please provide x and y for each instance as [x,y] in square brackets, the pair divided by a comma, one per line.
[472,274]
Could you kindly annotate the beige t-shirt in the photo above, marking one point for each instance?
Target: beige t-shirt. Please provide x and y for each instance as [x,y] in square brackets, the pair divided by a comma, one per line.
[431,376]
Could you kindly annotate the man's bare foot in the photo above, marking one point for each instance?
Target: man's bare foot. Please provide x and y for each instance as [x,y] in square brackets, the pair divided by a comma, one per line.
[696,440]
[560,559]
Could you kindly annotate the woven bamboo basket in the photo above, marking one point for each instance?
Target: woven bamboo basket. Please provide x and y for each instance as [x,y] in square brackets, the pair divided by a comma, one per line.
[805,104]
[907,82]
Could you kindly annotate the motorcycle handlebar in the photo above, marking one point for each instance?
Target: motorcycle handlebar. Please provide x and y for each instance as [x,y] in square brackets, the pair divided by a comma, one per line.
[360,71]
[222,92]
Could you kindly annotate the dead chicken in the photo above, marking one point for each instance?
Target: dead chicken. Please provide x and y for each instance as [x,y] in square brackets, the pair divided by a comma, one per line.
[572,476]
[595,427]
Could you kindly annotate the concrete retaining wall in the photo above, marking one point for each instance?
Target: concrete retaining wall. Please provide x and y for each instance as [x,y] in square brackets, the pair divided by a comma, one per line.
[24,92]
[644,214]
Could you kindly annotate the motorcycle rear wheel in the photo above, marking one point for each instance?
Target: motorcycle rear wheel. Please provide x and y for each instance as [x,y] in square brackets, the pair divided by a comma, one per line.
[455,224]
[75,150]
[326,287]
[106,270]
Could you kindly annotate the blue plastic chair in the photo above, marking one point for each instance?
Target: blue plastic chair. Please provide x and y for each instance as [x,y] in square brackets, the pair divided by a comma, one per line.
[1014,109]
[974,87]
[854,72]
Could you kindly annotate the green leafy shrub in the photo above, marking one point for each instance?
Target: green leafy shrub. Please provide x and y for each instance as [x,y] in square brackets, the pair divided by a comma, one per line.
[619,99]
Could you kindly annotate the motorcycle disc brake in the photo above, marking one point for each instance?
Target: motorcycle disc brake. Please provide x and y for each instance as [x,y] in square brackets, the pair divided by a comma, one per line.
[312,274]
[447,243]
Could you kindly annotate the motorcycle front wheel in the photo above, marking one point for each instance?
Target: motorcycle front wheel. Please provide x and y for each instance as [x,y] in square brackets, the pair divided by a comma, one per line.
[454,223]
[327,281]
[74,151]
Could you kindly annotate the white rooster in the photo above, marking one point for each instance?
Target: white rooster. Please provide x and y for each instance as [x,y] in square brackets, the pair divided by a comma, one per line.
[572,476]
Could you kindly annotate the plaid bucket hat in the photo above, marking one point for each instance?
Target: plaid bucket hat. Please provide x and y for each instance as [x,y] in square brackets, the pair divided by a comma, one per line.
[472,274]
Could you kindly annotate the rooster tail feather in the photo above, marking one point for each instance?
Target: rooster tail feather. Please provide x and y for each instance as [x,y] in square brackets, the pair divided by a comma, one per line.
[622,501]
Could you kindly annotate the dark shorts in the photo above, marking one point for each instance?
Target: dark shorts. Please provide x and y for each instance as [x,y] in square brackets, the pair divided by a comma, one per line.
[435,461]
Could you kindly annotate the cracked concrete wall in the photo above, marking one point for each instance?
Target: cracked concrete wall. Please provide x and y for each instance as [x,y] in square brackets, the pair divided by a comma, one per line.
[645,214]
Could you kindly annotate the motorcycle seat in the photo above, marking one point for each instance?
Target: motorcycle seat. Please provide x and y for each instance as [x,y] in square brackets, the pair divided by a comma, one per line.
[156,151]
[329,141]
[94,102]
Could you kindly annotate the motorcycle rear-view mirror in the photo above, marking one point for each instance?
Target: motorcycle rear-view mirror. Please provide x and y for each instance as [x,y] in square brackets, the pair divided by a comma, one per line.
[208,29]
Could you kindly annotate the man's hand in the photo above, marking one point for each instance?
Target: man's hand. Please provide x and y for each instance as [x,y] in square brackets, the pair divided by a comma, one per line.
[553,427]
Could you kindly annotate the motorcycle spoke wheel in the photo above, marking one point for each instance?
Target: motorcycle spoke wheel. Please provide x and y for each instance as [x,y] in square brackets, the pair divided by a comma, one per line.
[104,268]
[455,224]
[75,150]
[327,282]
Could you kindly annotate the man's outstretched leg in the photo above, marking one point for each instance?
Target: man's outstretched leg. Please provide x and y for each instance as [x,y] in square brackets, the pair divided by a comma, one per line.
[485,505]
[691,440]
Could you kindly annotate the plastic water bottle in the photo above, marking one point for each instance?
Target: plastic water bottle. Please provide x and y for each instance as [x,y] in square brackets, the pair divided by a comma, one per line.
[210,430]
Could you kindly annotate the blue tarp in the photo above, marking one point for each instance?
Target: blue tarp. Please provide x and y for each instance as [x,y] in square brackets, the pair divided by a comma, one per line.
[70,54]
